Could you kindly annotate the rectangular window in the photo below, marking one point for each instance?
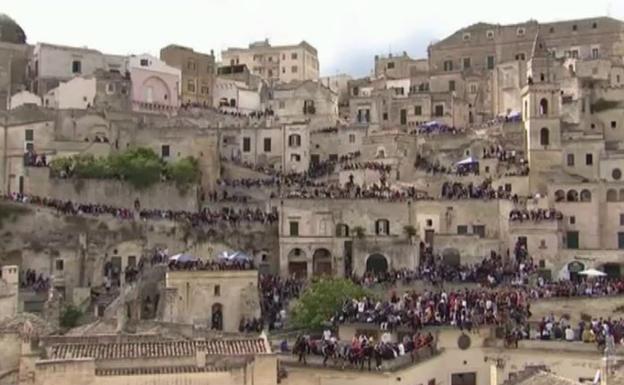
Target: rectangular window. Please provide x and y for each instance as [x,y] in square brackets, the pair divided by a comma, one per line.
[351,138]
[144,62]
[451,85]
[570,159]
[190,86]
[190,65]
[164,150]
[217,290]
[385,116]
[466,62]
[59,265]
[464,378]
[293,69]
[76,67]
[490,62]
[439,110]
[294,229]
[613,124]
[448,65]
[29,135]
[572,240]
[267,144]
[282,104]
[293,56]
[204,91]
[621,219]
[390,65]
[572,220]
[418,110]
[403,117]
[246,144]
[589,159]
[595,53]
[621,240]
[479,230]
[462,229]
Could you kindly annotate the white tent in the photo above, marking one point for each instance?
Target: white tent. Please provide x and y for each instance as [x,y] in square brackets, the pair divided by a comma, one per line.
[235,256]
[468,160]
[593,273]
[183,258]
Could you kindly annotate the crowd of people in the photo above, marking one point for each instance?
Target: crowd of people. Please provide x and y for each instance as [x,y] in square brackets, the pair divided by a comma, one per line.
[376,166]
[440,129]
[32,159]
[535,215]
[211,265]
[72,208]
[212,217]
[31,280]
[375,191]
[484,190]
[275,294]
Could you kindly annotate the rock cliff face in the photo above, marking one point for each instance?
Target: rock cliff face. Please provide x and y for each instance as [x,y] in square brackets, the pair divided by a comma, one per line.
[74,249]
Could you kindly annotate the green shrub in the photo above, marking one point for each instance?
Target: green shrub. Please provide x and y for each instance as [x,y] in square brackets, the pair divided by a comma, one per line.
[70,317]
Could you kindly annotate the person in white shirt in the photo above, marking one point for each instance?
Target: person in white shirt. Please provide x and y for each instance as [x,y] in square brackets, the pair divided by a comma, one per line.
[569,334]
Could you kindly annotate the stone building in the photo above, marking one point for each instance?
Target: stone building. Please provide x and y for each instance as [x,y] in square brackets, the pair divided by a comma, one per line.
[276,63]
[52,64]
[144,359]
[198,73]
[155,85]
[216,300]
[14,53]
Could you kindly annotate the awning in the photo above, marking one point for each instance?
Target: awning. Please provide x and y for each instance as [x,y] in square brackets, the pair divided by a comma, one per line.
[235,256]
[468,160]
[183,258]
[593,273]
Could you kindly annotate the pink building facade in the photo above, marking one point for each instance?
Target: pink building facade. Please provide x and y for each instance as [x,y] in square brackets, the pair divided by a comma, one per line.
[155,85]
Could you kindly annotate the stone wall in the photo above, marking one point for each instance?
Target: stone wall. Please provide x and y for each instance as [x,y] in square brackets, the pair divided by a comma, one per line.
[198,293]
[109,192]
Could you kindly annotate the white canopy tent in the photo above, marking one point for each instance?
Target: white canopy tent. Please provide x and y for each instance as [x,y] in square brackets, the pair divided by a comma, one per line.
[593,273]
[183,258]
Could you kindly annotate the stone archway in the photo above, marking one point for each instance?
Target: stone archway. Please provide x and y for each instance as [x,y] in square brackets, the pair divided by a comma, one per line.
[297,265]
[376,263]
[322,262]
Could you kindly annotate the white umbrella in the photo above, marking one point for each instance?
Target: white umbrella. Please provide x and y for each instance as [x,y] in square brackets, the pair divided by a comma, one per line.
[593,273]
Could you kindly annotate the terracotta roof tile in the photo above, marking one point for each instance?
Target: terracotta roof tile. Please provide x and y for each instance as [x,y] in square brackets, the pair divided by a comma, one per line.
[151,349]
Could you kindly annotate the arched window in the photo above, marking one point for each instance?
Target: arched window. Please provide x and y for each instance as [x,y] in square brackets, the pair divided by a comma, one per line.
[294,140]
[321,262]
[342,230]
[585,196]
[544,136]
[572,196]
[560,196]
[543,107]
[217,317]
[612,195]
[382,227]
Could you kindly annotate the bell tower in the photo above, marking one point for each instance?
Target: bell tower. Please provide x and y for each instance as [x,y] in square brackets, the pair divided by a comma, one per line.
[541,106]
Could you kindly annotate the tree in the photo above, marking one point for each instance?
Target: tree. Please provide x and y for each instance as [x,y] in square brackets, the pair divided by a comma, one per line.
[320,301]
[70,317]
[184,172]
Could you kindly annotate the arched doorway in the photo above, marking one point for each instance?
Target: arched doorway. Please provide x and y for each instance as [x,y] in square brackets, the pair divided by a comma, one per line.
[217,317]
[574,268]
[376,263]
[297,264]
[322,263]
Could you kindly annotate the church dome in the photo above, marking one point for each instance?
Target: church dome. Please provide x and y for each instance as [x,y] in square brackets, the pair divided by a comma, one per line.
[10,31]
